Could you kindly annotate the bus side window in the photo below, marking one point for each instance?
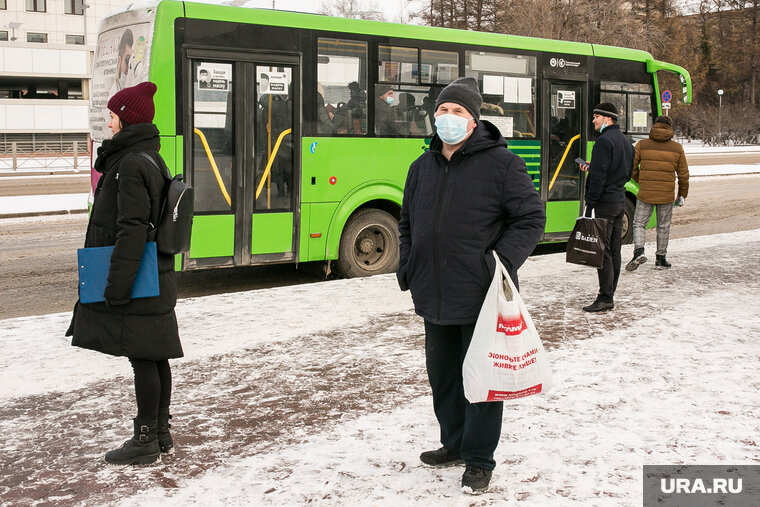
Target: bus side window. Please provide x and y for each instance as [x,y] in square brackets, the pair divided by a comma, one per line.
[508,85]
[342,91]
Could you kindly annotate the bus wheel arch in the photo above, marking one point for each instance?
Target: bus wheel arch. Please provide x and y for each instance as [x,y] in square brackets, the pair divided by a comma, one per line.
[369,244]
[630,208]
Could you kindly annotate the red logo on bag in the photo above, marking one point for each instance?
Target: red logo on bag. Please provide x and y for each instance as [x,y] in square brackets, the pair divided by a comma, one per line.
[511,326]
[512,395]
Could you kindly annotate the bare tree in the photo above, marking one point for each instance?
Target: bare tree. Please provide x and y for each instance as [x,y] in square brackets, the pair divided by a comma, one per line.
[355,9]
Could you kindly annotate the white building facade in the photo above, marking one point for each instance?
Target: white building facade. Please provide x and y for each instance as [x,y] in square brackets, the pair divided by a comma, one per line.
[45,67]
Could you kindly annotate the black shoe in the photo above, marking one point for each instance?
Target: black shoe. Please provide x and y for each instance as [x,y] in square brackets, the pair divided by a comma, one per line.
[165,441]
[662,262]
[441,458]
[141,449]
[599,306]
[638,260]
[475,480]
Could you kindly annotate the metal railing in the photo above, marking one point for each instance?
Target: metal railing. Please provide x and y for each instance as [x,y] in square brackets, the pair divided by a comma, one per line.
[44,155]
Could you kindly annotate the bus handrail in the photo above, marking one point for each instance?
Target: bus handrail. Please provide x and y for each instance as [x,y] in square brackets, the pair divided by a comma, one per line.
[562,161]
[271,159]
[213,166]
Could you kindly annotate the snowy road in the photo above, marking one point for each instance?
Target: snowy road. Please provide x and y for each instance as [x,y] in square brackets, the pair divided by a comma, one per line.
[317,393]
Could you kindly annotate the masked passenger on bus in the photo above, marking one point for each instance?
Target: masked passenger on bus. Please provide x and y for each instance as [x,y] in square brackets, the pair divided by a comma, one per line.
[465,198]
[128,201]
[385,117]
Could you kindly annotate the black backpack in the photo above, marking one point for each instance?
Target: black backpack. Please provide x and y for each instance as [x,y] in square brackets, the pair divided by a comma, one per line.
[175,222]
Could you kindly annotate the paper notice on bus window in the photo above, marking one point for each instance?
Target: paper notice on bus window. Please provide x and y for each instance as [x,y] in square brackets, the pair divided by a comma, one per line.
[389,71]
[640,118]
[503,123]
[408,72]
[447,72]
[214,76]
[510,90]
[524,95]
[273,83]
[493,85]
[121,60]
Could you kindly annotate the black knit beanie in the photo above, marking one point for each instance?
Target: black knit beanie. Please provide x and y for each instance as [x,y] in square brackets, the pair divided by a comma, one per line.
[463,91]
[607,109]
[667,120]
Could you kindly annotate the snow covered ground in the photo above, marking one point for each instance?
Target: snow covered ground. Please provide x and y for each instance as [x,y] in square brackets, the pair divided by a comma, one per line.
[318,394]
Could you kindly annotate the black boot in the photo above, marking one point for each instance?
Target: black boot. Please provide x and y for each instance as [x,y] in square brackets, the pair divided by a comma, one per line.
[475,479]
[165,441]
[141,449]
[441,458]
[662,262]
[638,259]
[600,305]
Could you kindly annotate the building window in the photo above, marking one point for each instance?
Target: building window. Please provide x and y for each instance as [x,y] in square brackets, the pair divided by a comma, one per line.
[75,39]
[36,37]
[4,35]
[3,6]
[73,7]
[35,5]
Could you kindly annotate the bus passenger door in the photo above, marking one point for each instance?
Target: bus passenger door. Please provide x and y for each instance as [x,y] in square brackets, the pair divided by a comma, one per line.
[242,157]
[563,124]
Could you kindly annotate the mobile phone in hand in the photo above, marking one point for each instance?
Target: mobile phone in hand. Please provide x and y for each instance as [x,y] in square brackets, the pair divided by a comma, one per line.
[580,161]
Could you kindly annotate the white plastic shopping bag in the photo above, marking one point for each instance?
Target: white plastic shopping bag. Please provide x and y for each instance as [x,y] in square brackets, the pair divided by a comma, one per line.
[506,359]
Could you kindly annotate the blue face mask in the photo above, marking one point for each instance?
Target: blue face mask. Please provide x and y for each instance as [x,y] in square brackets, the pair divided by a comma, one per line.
[601,129]
[452,129]
[389,100]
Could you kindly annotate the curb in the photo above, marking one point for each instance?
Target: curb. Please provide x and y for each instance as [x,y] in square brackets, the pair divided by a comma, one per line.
[43,213]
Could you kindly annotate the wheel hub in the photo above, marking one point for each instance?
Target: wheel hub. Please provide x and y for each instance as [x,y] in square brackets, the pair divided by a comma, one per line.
[366,245]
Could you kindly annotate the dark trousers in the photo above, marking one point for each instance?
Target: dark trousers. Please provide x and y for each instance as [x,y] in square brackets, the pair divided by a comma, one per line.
[472,429]
[610,271]
[153,388]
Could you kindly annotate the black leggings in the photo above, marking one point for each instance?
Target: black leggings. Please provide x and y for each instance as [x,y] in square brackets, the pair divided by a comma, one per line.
[153,387]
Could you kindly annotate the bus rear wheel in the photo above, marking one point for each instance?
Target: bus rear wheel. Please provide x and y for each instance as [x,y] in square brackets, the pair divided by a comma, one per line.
[627,233]
[369,244]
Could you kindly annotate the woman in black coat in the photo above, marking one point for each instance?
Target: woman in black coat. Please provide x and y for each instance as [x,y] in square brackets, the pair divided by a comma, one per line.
[128,201]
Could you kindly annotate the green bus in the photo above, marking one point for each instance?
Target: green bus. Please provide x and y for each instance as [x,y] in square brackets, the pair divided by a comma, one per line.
[280,120]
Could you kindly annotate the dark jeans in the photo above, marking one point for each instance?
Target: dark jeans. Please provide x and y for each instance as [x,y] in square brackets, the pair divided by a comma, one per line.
[153,388]
[472,429]
[610,271]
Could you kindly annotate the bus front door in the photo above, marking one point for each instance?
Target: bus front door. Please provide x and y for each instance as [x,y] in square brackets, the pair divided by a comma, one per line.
[242,156]
[563,124]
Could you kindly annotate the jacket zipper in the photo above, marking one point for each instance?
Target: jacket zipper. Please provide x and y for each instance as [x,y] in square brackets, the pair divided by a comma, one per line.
[436,228]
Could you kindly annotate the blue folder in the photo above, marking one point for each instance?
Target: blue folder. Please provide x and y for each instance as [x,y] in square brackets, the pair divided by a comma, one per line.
[95,263]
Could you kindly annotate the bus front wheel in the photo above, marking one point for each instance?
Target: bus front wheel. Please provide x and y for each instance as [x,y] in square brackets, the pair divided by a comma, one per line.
[369,244]
[627,233]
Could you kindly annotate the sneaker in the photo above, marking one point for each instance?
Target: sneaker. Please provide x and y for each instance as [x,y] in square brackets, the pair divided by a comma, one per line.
[475,480]
[599,306]
[662,262]
[441,458]
[638,260]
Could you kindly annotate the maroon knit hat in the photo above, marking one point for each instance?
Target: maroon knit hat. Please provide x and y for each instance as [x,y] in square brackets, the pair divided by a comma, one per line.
[134,104]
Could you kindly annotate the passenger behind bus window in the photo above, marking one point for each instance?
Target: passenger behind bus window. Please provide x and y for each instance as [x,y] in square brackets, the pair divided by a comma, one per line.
[385,124]
[325,113]
[357,108]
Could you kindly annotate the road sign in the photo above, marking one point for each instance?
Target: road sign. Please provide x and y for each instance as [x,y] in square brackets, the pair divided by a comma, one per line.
[666,96]
[666,105]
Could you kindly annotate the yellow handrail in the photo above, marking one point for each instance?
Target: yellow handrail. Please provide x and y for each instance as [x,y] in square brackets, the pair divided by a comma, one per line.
[269,162]
[564,156]
[213,166]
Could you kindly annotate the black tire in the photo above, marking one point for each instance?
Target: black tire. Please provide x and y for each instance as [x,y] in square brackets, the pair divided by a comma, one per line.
[369,244]
[627,234]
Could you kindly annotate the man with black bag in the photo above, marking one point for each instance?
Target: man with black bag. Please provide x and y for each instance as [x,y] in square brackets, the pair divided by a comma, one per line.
[611,167]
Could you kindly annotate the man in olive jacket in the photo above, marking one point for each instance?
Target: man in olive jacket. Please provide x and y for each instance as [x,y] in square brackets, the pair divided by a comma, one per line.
[657,162]
[464,198]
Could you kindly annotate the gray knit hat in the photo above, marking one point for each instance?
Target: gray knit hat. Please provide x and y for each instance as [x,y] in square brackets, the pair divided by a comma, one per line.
[463,91]
[607,109]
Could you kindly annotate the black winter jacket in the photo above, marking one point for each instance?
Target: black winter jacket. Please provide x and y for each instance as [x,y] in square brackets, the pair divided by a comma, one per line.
[128,199]
[611,168]
[454,213]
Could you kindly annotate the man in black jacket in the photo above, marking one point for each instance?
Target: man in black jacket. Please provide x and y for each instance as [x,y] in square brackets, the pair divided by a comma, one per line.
[611,167]
[464,198]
